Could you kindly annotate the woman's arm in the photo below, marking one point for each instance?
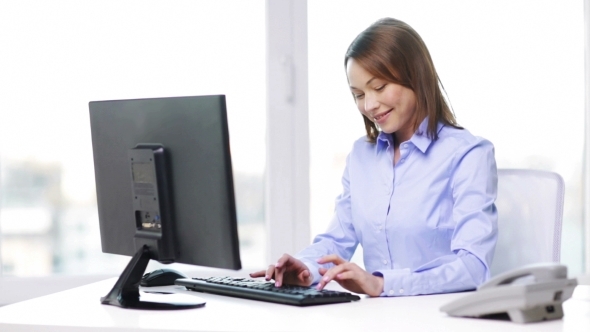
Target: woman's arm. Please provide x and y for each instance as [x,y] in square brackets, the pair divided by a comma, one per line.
[339,238]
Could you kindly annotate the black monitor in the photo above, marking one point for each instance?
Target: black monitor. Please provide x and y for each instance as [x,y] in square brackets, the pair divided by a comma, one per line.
[164,186]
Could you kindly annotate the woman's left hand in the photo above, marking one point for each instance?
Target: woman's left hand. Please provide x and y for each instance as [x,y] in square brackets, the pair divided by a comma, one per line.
[350,276]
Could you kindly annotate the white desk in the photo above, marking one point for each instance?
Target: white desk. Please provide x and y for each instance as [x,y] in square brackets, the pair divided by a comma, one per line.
[79,309]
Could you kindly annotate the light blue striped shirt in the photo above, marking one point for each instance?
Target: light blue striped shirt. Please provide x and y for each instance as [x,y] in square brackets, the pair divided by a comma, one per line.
[426,225]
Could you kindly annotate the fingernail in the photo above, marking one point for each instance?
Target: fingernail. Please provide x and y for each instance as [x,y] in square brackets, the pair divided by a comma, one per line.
[325,278]
[277,284]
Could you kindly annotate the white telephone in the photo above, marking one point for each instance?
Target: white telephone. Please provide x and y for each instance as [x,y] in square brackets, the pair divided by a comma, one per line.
[524,302]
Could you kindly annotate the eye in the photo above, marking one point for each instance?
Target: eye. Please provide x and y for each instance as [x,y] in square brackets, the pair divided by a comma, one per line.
[379,88]
[358,96]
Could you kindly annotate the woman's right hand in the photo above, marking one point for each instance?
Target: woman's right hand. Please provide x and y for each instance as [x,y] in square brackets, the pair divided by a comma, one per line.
[288,270]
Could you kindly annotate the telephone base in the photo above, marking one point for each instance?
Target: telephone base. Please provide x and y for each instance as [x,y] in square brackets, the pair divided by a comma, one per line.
[536,314]
[523,299]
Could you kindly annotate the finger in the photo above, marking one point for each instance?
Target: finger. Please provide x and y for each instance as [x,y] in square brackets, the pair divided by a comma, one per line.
[304,276]
[281,267]
[335,259]
[258,274]
[329,275]
[279,272]
[270,272]
[283,260]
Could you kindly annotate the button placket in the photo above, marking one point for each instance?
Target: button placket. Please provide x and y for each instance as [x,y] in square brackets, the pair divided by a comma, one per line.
[404,151]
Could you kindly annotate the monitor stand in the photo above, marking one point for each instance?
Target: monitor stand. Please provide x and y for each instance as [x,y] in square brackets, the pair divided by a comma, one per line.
[125,293]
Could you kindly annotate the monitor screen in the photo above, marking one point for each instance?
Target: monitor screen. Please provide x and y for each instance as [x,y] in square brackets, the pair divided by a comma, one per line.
[164,179]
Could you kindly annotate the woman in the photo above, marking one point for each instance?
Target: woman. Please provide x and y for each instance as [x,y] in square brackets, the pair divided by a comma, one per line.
[418,190]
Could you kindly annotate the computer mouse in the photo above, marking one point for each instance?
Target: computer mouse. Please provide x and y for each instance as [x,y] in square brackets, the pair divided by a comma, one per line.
[161,277]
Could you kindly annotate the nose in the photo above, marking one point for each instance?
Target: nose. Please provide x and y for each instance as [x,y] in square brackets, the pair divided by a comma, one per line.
[371,103]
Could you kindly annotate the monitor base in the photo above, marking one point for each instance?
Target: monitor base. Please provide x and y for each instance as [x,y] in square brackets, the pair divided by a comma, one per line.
[125,293]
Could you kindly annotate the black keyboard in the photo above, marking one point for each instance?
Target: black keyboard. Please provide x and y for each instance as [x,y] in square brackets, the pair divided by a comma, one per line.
[254,289]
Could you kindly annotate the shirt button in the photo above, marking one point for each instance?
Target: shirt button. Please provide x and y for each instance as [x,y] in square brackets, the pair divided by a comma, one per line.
[391,292]
[401,160]
[380,227]
[401,291]
[384,262]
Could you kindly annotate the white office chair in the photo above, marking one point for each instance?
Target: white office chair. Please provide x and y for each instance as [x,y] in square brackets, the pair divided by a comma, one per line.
[530,211]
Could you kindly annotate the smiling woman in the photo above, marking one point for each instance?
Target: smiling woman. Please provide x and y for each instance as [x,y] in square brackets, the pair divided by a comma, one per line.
[418,194]
[499,65]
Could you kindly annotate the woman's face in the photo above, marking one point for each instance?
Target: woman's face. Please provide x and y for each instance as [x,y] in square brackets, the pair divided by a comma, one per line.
[389,105]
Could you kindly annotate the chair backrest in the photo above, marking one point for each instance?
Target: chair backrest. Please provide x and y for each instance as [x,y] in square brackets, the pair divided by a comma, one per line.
[530,211]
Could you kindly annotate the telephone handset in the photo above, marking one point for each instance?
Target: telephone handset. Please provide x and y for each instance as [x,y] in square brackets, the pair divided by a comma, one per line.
[540,271]
[540,297]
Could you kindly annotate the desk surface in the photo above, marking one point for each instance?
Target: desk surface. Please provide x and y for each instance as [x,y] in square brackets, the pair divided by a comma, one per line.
[79,309]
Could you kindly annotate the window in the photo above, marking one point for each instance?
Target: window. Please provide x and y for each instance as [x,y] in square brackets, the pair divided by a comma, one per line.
[503,64]
[59,55]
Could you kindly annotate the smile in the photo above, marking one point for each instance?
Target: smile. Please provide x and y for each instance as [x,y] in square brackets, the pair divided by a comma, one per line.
[381,116]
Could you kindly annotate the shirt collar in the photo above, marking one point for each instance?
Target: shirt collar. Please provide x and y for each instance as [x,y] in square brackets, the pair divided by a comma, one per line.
[384,140]
[420,138]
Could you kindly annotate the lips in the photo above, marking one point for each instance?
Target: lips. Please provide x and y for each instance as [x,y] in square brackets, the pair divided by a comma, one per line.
[380,117]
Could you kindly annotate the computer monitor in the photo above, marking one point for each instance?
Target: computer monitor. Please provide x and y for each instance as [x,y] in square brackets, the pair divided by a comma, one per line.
[164,186]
